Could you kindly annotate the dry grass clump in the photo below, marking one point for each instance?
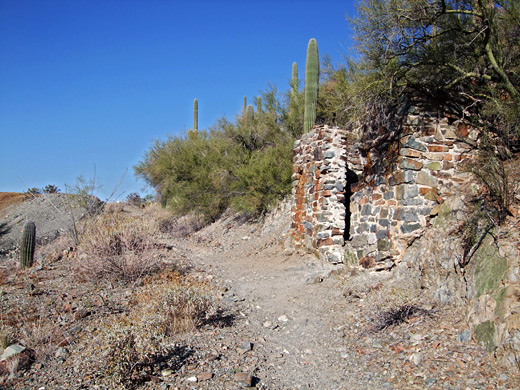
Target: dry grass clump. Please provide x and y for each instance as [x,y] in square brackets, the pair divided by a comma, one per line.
[385,303]
[174,304]
[139,344]
[133,360]
[181,227]
[118,247]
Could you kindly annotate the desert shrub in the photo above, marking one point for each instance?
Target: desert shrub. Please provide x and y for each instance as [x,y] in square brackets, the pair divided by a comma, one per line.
[135,199]
[185,309]
[83,193]
[133,360]
[264,180]
[243,164]
[33,191]
[51,189]
[181,227]
[118,248]
[499,182]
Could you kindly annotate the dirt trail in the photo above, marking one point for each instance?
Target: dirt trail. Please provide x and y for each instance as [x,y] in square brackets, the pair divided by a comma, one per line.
[290,305]
[307,335]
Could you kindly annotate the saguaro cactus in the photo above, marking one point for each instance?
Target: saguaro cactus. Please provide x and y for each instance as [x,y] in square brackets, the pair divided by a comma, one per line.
[258,106]
[312,73]
[195,115]
[27,245]
[250,114]
[294,82]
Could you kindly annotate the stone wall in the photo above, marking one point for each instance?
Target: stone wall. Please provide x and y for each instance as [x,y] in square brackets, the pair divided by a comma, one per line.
[319,182]
[408,213]
[389,209]
[346,214]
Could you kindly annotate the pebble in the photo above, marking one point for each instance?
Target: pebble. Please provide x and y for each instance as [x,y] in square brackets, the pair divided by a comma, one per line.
[464,336]
[244,379]
[283,318]
[61,353]
[245,347]
[192,379]
[205,376]
[12,350]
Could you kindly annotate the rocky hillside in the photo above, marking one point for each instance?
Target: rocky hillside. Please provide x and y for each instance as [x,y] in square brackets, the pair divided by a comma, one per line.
[231,306]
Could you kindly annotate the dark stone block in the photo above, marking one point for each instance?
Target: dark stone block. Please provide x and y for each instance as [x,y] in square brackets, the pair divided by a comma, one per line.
[410,227]
[382,234]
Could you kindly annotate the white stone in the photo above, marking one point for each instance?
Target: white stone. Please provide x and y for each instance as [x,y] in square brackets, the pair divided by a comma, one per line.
[12,350]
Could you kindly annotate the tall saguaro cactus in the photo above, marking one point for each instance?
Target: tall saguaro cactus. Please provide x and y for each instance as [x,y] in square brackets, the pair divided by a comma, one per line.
[250,114]
[258,106]
[312,74]
[195,115]
[294,82]
[27,245]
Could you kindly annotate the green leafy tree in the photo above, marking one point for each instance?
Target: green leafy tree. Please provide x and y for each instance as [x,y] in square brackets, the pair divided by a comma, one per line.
[245,164]
[462,55]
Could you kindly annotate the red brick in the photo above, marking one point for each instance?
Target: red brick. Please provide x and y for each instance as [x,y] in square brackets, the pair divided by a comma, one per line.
[367,262]
[411,153]
[448,165]
[337,232]
[462,130]
[325,242]
[438,148]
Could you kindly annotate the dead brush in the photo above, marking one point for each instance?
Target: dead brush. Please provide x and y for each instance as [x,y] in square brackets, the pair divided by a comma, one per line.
[118,248]
[133,360]
[390,305]
[180,227]
[185,310]
[169,310]
[398,316]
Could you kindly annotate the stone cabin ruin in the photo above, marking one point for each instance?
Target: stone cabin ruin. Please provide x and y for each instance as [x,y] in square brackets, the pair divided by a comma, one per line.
[345,213]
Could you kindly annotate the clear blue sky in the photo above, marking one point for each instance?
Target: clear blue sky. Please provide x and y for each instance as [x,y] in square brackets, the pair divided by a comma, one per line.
[87,83]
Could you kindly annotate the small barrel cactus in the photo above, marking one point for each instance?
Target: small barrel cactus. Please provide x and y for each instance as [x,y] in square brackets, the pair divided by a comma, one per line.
[28,244]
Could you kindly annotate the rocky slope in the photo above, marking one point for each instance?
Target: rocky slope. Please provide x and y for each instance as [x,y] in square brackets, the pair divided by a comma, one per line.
[284,320]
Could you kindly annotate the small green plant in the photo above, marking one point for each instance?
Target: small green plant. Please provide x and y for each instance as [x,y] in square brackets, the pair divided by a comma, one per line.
[27,245]
[124,360]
